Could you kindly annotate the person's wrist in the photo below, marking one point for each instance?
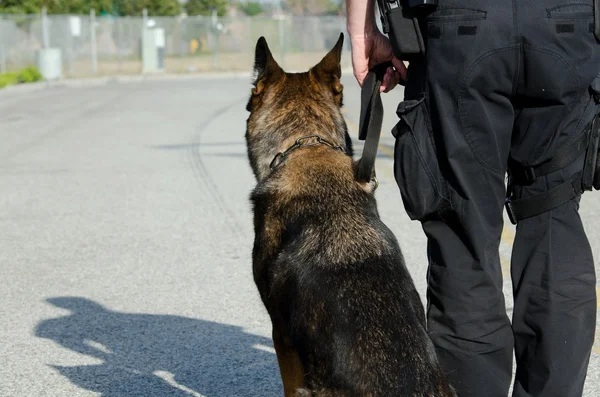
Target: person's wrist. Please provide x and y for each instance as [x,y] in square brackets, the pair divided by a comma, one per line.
[368,31]
[364,35]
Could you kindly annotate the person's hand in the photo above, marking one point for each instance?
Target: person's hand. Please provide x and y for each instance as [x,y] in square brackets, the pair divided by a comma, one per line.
[372,49]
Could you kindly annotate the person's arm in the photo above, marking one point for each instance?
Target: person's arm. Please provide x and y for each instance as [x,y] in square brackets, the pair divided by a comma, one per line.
[361,18]
[369,46]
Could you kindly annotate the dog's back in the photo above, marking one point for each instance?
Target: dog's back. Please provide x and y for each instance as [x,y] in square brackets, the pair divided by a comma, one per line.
[341,286]
[344,308]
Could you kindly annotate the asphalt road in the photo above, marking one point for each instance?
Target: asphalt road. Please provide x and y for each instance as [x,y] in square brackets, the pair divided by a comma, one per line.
[125,240]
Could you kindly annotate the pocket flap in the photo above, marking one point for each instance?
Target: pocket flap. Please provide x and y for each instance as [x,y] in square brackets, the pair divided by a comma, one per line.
[405,107]
[416,167]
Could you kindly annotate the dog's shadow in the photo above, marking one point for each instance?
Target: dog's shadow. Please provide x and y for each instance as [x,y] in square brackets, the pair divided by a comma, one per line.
[160,355]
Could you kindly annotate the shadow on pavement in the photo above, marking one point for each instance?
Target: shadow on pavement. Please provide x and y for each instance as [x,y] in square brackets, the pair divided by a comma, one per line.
[160,355]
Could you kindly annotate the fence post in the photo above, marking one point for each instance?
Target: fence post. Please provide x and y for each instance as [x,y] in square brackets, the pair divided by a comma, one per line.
[45,36]
[282,40]
[345,53]
[143,41]
[249,36]
[182,40]
[215,29]
[93,39]
[144,19]
[280,18]
[120,42]
[2,51]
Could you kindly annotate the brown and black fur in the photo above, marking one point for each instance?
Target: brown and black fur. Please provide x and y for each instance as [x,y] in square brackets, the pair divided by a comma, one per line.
[347,319]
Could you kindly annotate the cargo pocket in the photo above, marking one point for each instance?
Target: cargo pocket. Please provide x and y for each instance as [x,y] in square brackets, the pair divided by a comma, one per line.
[595,172]
[416,167]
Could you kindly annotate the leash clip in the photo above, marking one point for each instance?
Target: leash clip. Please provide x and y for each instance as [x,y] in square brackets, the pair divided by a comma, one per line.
[510,211]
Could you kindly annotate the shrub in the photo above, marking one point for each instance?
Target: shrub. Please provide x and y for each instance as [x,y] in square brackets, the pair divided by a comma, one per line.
[26,75]
[8,79]
[29,75]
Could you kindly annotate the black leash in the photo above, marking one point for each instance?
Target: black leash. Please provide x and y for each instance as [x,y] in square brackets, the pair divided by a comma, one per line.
[597,19]
[371,120]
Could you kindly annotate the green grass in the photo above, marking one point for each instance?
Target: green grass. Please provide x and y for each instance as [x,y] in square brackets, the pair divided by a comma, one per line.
[26,75]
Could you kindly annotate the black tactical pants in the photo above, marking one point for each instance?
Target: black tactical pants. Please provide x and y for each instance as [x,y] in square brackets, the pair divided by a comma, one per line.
[501,78]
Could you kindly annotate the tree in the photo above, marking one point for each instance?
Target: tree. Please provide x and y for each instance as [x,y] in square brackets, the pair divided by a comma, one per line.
[20,6]
[205,7]
[154,7]
[314,7]
[76,6]
[251,8]
[54,6]
[120,7]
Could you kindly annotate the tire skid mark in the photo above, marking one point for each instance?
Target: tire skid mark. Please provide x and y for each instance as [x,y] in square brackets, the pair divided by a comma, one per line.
[203,176]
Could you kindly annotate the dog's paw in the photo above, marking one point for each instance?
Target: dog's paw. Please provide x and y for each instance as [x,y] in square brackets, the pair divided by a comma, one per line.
[303,393]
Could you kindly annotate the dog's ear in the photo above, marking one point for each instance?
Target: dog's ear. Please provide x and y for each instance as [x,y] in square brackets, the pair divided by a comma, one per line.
[264,65]
[329,70]
[266,70]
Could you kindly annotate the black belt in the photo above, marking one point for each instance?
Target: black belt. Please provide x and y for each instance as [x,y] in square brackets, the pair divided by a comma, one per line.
[525,175]
[538,204]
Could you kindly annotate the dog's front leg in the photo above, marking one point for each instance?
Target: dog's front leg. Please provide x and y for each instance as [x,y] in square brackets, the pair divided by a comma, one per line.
[290,366]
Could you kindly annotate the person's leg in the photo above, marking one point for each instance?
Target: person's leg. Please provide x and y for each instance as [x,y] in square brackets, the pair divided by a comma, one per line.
[552,266]
[471,61]
[554,315]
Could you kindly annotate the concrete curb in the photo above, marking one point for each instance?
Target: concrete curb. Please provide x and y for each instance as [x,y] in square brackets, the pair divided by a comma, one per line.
[19,90]
[95,81]
[122,79]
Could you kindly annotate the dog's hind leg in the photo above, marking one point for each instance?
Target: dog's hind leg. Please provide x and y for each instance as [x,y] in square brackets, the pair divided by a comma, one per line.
[290,366]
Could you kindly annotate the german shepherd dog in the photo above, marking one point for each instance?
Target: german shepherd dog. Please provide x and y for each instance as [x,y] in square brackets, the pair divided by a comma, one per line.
[347,319]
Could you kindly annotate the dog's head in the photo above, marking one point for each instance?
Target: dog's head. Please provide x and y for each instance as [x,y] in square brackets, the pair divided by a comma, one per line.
[285,106]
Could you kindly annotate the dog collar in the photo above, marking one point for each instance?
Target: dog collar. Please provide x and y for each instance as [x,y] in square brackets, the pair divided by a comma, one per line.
[305,141]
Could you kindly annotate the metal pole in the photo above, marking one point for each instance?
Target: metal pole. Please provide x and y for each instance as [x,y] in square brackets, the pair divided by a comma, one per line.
[93,39]
[249,43]
[2,53]
[144,19]
[215,39]
[71,52]
[119,21]
[282,41]
[182,36]
[144,27]
[281,34]
[345,54]
[45,36]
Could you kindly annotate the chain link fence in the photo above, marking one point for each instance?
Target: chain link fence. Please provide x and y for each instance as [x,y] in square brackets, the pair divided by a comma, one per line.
[113,45]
